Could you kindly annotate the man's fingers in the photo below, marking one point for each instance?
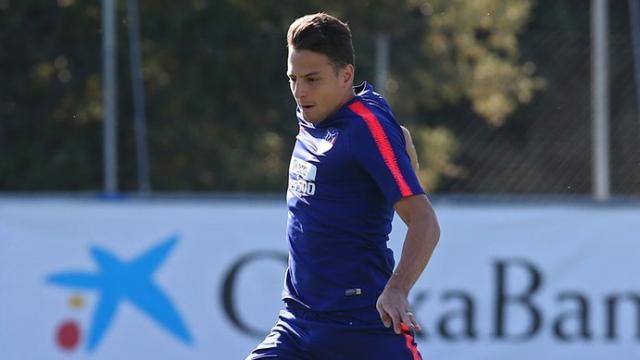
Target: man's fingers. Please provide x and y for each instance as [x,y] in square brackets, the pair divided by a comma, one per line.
[395,317]
[413,322]
[406,319]
[386,320]
[416,325]
[390,318]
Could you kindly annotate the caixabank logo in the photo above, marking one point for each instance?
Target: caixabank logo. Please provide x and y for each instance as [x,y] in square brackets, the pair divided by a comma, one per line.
[115,282]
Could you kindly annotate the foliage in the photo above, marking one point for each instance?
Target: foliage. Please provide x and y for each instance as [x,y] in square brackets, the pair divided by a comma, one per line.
[220,115]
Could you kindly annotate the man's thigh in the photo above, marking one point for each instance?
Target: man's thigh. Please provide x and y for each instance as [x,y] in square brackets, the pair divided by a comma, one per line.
[285,341]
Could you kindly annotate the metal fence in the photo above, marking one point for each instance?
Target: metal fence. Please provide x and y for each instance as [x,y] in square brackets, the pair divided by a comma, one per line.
[549,141]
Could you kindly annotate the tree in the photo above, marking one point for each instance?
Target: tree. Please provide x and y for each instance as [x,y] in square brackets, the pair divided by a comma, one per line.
[219,110]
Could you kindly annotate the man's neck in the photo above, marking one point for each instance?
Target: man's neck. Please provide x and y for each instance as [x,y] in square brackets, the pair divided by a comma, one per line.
[350,95]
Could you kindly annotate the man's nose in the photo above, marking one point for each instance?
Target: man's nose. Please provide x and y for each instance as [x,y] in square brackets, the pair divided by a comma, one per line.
[299,90]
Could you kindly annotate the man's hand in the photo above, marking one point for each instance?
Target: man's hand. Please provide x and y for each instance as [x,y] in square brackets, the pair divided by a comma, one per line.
[393,308]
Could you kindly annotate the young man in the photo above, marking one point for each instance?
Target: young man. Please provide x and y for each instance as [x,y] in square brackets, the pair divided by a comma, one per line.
[350,169]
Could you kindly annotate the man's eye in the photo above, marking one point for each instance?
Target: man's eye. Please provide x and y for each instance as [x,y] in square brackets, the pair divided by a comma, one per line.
[312,79]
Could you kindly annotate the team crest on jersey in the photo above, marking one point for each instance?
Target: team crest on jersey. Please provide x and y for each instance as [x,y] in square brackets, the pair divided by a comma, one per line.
[326,144]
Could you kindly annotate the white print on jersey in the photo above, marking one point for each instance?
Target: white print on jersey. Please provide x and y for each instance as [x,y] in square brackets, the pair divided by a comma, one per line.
[305,169]
[302,187]
[306,172]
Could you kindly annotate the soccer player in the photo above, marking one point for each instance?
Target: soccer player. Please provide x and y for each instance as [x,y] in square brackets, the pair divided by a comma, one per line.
[350,168]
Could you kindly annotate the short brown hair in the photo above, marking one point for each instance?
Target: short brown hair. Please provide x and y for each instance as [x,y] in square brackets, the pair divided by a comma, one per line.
[324,34]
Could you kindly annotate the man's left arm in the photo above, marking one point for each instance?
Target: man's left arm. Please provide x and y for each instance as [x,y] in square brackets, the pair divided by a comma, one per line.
[421,239]
[422,236]
[389,156]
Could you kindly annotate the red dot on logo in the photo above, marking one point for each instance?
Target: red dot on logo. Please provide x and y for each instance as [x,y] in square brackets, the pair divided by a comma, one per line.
[68,335]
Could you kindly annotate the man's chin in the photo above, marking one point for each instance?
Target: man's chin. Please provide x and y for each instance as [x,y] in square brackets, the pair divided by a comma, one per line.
[310,118]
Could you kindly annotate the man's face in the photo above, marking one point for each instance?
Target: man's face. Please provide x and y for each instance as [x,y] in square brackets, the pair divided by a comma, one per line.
[318,88]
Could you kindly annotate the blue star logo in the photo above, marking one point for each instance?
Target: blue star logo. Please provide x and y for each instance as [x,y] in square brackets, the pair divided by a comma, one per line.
[117,281]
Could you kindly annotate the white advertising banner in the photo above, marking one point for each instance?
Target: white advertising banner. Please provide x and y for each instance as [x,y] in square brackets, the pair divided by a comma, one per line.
[179,279]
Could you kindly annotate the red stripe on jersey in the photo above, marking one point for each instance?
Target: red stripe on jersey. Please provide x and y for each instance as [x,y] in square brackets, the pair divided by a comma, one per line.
[409,341]
[383,145]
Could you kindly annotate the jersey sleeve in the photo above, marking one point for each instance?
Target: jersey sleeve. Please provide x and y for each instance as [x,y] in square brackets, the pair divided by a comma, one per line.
[377,144]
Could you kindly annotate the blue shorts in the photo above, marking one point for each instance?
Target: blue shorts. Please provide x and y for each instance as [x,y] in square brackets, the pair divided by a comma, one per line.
[305,335]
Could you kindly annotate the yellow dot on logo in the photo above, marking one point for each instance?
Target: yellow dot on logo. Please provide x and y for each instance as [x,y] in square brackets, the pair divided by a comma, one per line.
[76,302]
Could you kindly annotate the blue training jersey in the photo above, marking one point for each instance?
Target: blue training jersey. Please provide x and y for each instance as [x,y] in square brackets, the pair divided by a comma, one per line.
[346,174]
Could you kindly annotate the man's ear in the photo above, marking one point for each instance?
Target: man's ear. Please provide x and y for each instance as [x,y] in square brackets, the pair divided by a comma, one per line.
[347,75]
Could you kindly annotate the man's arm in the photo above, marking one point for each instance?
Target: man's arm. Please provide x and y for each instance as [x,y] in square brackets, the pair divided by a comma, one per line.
[422,236]
[421,239]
